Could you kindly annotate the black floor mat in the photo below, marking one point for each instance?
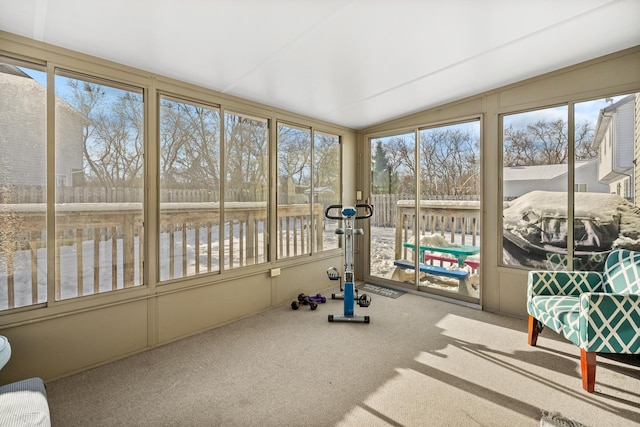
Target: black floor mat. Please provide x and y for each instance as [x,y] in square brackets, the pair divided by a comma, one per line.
[380,290]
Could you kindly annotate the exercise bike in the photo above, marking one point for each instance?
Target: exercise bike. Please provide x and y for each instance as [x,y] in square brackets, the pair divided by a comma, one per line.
[348,293]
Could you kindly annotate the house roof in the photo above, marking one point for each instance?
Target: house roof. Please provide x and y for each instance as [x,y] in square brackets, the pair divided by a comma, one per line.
[12,70]
[604,118]
[538,172]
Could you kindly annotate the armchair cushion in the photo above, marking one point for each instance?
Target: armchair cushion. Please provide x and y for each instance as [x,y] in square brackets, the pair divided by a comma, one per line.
[560,313]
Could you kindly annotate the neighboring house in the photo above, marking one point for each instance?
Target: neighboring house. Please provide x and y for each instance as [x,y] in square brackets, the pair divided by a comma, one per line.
[318,191]
[519,180]
[23,145]
[614,138]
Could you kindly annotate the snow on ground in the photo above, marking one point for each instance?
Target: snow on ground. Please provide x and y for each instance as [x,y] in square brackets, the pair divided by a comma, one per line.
[383,256]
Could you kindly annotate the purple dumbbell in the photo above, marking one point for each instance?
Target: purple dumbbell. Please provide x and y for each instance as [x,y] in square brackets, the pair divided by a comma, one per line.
[317,299]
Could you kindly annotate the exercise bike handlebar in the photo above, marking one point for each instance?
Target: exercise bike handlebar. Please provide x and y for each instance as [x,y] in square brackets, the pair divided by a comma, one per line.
[368,208]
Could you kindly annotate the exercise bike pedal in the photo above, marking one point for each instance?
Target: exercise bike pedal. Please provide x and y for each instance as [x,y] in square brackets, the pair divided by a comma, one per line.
[364,300]
[333,274]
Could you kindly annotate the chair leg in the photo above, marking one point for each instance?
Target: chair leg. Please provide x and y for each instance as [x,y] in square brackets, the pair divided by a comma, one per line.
[588,368]
[533,330]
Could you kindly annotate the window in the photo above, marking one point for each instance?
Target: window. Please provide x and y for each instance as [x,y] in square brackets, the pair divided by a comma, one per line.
[98,225]
[534,183]
[246,146]
[393,187]
[23,180]
[294,176]
[308,180]
[545,226]
[326,185]
[189,188]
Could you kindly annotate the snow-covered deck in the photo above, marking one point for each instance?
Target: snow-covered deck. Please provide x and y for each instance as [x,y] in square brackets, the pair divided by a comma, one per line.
[99,245]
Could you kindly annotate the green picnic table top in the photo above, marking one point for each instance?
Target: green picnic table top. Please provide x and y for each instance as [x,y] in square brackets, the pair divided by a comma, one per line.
[461,252]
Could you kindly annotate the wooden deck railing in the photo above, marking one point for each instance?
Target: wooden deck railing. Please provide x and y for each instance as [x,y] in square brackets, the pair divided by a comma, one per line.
[108,238]
[456,221]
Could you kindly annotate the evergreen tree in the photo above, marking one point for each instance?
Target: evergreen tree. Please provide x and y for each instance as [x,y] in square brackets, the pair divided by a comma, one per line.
[381,171]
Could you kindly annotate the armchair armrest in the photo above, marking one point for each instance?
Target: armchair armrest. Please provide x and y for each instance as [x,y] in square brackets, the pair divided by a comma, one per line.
[572,283]
[610,323]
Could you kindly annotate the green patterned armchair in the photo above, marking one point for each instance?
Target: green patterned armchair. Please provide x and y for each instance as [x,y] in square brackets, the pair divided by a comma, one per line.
[598,312]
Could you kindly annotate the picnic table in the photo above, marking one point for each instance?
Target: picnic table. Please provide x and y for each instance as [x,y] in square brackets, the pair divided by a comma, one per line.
[459,252]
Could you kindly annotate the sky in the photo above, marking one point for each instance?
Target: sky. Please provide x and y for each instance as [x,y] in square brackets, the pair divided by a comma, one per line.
[587,110]
[62,89]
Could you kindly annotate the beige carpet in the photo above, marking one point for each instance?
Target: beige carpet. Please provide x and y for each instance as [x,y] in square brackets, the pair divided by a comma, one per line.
[420,362]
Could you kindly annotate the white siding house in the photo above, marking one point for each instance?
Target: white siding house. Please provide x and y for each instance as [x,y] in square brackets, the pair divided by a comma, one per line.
[23,145]
[520,180]
[614,139]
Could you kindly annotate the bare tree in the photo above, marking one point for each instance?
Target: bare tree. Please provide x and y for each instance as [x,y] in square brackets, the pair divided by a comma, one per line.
[449,162]
[327,161]
[246,158]
[294,154]
[112,136]
[174,139]
[546,143]
[583,139]
[202,153]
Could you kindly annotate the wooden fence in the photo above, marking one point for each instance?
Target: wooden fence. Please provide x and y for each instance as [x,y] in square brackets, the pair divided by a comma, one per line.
[384,206]
[457,221]
[38,194]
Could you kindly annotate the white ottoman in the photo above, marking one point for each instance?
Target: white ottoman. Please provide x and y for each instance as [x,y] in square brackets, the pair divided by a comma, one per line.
[5,351]
[23,403]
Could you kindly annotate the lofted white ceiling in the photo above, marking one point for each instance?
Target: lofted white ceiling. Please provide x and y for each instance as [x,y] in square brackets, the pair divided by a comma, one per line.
[354,63]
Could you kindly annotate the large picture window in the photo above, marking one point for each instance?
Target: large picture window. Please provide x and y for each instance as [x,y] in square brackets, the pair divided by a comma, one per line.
[569,194]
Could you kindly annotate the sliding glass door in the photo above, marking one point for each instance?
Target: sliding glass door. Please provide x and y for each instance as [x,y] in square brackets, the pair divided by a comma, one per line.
[425,188]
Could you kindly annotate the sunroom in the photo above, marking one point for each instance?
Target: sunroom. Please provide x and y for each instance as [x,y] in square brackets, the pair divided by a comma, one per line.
[166,167]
